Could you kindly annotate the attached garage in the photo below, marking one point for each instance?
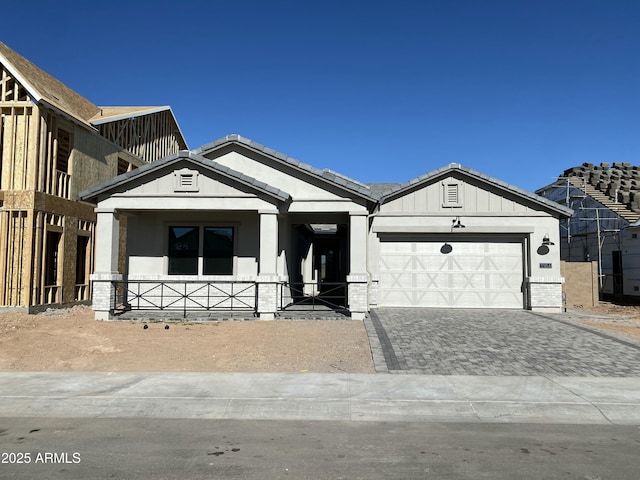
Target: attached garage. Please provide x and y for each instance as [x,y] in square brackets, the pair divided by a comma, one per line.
[456,238]
[451,272]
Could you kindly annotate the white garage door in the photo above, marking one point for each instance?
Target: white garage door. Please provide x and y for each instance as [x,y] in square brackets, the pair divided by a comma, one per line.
[479,274]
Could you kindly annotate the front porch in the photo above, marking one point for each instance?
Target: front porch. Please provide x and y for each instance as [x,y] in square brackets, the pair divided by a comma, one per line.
[202,237]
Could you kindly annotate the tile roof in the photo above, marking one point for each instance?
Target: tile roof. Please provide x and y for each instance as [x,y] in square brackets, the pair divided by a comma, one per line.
[326,175]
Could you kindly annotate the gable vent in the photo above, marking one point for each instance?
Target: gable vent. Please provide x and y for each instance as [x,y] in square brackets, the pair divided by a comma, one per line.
[452,194]
[185,180]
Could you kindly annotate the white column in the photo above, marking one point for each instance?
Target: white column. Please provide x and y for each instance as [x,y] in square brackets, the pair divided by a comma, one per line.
[107,246]
[358,277]
[107,241]
[267,268]
[268,243]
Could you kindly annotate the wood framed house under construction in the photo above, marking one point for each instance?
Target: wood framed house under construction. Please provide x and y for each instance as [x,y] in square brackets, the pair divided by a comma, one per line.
[55,143]
[605,225]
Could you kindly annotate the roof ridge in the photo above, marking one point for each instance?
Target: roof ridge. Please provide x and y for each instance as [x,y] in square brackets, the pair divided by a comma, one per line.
[337,179]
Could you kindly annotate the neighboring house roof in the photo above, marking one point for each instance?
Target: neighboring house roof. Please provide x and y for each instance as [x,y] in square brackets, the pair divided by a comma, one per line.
[616,187]
[114,114]
[44,87]
[94,192]
[457,168]
[326,175]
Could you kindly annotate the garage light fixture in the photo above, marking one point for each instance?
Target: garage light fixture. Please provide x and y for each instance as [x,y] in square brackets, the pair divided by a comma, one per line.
[455,223]
[545,240]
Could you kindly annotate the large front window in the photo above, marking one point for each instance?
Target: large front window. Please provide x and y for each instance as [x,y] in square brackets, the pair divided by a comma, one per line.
[200,250]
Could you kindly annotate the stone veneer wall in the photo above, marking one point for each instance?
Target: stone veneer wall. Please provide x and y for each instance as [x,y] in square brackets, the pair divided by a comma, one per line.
[544,294]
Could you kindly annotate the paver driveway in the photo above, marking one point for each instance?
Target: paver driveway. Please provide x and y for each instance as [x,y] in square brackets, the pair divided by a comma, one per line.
[494,342]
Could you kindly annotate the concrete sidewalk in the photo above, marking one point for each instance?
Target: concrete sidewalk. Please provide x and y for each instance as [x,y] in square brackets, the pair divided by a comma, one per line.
[245,396]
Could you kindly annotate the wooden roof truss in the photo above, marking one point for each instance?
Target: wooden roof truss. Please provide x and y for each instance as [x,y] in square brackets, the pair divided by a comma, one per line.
[149,137]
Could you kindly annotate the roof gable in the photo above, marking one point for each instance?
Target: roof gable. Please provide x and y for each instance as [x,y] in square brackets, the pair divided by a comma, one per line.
[136,176]
[458,171]
[278,159]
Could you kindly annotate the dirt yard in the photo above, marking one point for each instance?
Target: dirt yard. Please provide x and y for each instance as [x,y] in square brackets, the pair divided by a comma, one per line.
[622,321]
[71,340]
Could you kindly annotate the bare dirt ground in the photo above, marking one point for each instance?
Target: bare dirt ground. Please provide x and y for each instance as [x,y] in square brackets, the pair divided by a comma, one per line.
[621,321]
[71,340]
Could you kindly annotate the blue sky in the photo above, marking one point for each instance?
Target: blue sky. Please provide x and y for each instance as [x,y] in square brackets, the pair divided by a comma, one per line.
[379,91]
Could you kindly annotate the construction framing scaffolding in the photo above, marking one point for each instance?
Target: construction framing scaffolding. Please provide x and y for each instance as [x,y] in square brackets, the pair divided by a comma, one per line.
[50,150]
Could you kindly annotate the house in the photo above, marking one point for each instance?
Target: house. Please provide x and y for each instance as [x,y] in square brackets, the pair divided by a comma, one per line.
[605,224]
[235,225]
[53,144]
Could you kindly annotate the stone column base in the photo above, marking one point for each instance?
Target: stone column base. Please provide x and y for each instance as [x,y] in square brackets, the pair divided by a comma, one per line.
[104,294]
[269,291]
[357,286]
[544,294]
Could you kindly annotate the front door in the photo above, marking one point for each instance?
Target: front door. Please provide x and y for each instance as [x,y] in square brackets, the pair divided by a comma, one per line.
[329,260]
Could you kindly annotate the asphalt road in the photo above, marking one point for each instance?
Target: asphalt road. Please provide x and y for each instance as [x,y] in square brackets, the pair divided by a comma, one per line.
[230,449]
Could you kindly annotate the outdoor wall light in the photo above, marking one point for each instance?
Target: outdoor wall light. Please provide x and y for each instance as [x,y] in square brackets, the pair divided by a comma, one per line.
[545,240]
[455,223]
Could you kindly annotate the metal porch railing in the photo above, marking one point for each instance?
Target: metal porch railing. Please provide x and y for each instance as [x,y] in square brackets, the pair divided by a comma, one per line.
[313,295]
[185,296]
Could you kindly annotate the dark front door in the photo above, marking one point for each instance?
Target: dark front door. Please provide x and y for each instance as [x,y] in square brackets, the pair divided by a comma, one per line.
[329,260]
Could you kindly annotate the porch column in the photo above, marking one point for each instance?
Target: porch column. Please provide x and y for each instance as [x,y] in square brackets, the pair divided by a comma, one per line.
[358,278]
[106,263]
[267,281]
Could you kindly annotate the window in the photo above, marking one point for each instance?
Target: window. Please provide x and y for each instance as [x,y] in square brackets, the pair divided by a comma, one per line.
[183,250]
[188,244]
[64,151]
[218,251]
[52,257]
[451,194]
[81,260]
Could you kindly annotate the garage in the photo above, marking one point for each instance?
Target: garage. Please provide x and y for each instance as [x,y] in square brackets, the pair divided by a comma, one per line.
[451,272]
